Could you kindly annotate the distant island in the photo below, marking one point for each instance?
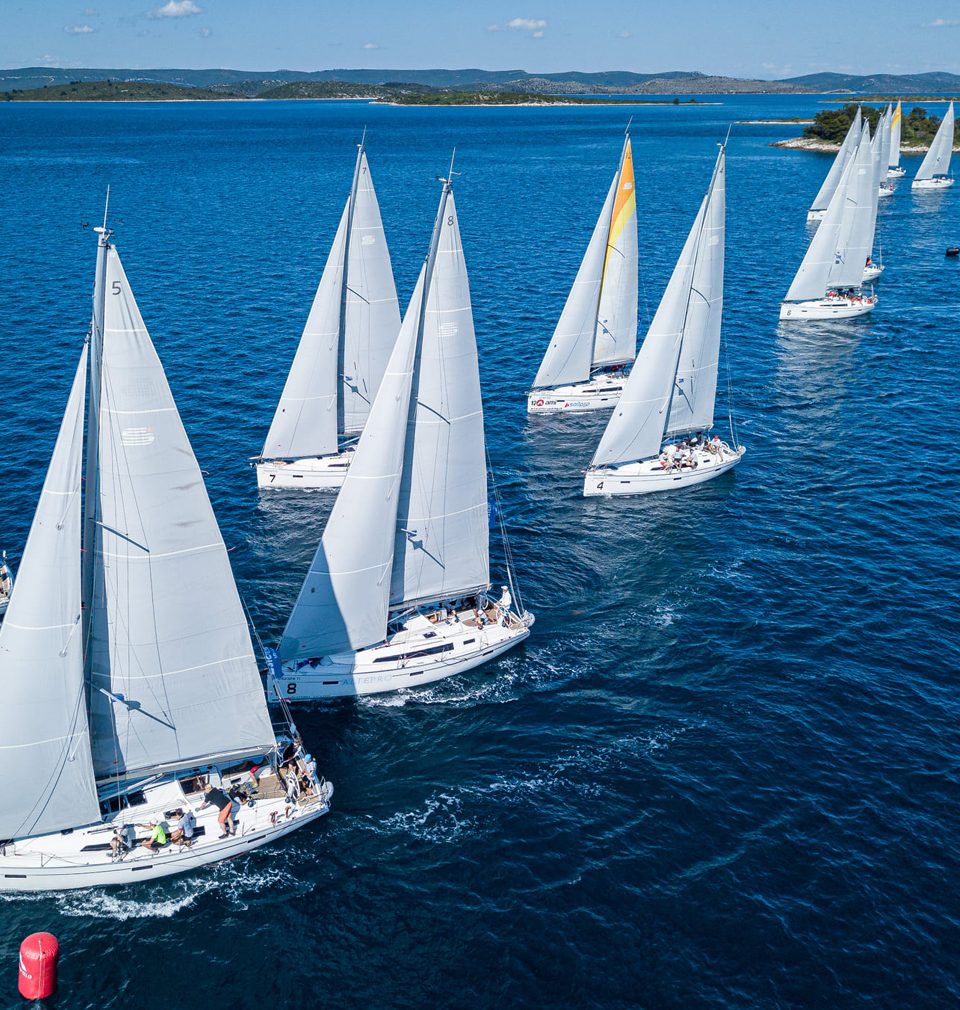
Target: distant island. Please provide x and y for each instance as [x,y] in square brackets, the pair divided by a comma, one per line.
[253,83]
[829,127]
[386,94]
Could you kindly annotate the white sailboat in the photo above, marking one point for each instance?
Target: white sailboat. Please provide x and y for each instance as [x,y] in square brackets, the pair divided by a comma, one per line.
[847,149]
[885,135]
[873,267]
[584,367]
[342,354]
[6,584]
[397,593]
[128,669]
[828,284]
[895,170]
[934,170]
[672,387]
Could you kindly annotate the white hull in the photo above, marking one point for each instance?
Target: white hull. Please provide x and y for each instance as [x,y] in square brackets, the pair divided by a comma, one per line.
[897,172]
[600,393]
[58,862]
[871,273]
[647,476]
[311,472]
[940,182]
[885,191]
[421,651]
[837,307]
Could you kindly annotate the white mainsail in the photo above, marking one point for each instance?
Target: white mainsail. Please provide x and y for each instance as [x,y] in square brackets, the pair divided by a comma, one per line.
[410,522]
[855,238]
[172,675]
[442,541]
[598,325]
[896,125]
[45,758]
[689,311]
[885,131]
[829,186]
[937,160]
[353,323]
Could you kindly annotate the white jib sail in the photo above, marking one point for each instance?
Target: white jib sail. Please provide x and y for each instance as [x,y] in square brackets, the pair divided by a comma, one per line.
[855,237]
[45,751]
[895,127]
[344,601]
[811,280]
[305,423]
[886,139]
[173,680]
[825,194]
[372,312]
[695,386]
[442,538]
[570,354]
[937,160]
[635,430]
[616,337]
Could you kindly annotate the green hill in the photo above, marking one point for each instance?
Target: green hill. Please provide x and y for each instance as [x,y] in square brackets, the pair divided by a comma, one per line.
[917,128]
[114,91]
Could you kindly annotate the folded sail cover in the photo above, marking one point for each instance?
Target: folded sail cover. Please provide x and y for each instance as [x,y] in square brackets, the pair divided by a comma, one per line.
[173,679]
[44,742]
[598,325]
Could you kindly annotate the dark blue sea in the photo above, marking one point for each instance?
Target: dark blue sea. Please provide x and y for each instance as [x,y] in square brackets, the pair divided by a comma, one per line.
[724,771]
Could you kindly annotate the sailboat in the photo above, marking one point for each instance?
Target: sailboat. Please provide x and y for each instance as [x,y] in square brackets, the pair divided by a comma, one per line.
[934,171]
[885,135]
[6,584]
[128,668]
[672,387]
[825,194]
[895,169]
[342,354]
[584,367]
[828,284]
[873,267]
[398,592]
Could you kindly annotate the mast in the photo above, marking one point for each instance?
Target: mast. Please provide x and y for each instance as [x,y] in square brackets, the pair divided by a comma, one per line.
[91,470]
[351,203]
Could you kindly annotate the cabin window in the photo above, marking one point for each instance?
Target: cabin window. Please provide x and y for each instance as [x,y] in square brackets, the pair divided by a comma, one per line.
[448,647]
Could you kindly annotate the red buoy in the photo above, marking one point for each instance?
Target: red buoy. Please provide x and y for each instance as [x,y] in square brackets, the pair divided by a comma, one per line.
[38,965]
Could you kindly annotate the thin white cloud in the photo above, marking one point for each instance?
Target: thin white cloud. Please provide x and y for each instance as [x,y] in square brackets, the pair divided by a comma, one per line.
[90,12]
[942,23]
[175,9]
[534,26]
[205,33]
[370,45]
[624,35]
[78,29]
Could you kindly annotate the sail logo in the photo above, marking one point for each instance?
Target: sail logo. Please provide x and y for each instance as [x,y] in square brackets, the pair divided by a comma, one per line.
[137,436]
[368,240]
[449,329]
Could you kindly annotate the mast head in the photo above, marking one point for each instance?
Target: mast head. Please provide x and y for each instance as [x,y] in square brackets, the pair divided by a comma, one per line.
[448,181]
[626,131]
[102,230]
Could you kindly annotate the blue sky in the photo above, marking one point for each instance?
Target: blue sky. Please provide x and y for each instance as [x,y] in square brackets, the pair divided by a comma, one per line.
[745,38]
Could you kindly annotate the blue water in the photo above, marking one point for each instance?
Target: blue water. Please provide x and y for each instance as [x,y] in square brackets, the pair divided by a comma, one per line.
[723,772]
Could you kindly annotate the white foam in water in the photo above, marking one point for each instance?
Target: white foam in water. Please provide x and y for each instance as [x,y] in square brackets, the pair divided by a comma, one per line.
[439,821]
[159,901]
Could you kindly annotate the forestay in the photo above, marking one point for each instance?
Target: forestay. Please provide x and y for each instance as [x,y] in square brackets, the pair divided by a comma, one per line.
[635,430]
[442,538]
[172,676]
[305,423]
[45,761]
[825,194]
[937,160]
[344,601]
[371,310]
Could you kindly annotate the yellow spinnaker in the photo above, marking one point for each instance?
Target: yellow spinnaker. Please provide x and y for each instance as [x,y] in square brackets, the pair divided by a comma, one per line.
[896,116]
[625,205]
